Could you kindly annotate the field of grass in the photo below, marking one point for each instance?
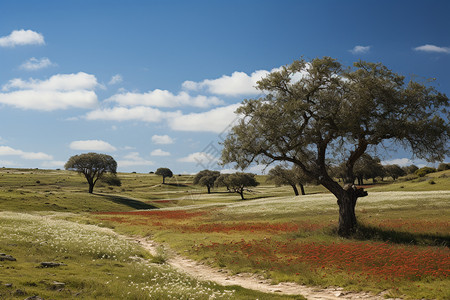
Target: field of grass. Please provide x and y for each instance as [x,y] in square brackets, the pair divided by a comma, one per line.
[401,247]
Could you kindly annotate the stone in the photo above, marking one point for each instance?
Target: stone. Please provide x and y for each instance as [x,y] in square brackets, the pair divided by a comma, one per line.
[4,256]
[51,264]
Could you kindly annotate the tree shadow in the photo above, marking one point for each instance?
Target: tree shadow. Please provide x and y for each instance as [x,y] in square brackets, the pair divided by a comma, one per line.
[176,184]
[367,232]
[133,203]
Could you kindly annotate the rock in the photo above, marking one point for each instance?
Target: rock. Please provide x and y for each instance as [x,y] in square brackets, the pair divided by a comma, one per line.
[4,256]
[51,264]
[55,285]
[8,285]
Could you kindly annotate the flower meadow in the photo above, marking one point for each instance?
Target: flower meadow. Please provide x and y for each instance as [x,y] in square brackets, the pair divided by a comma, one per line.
[289,239]
[109,266]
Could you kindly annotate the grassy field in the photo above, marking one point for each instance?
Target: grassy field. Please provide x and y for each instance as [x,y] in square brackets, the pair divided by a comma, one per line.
[401,247]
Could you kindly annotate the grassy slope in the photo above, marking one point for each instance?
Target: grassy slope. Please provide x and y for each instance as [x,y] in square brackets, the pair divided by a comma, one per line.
[34,200]
[62,191]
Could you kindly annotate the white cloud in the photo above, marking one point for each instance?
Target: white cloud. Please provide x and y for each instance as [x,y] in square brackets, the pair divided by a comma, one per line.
[92,145]
[138,113]
[34,64]
[115,79]
[433,48]
[239,83]
[159,152]
[134,159]
[60,91]
[162,139]
[22,37]
[58,82]
[163,98]
[49,100]
[216,120]
[360,49]
[202,158]
[8,151]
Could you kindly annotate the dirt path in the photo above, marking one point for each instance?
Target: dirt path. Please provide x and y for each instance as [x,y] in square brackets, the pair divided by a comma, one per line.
[251,281]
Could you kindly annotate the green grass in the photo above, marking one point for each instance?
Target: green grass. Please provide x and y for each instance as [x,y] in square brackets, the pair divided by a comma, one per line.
[49,216]
[97,264]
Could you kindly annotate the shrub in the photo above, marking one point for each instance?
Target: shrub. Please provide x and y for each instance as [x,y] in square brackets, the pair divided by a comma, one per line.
[424,171]
[443,166]
[111,179]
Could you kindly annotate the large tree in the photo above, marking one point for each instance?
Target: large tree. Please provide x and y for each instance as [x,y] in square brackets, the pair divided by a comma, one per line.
[92,165]
[206,178]
[313,112]
[239,182]
[164,172]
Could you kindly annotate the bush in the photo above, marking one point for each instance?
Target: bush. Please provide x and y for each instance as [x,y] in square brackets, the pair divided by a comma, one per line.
[443,166]
[111,179]
[424,171]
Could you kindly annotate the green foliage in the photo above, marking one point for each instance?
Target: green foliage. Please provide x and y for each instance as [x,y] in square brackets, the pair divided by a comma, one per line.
[443,166]
[239,182]
[164,172]
[92,165]
[424,171]
[206,178]
[410,169]
[315,110]
[111,179]
[394,171]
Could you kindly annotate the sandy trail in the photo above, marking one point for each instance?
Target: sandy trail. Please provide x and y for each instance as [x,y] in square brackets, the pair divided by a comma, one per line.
[251,281]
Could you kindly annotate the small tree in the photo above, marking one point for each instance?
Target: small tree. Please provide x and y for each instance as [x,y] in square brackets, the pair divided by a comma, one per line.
[92,165]
[164,172]
[281,176]
[394,171]
[239,182]
[221,181]
[367,167]
[410,169]
[206,178]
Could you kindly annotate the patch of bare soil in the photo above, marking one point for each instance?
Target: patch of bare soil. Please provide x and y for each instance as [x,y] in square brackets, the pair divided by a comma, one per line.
[251,281]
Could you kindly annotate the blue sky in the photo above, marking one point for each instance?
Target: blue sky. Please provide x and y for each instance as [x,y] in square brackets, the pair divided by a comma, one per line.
[155,83]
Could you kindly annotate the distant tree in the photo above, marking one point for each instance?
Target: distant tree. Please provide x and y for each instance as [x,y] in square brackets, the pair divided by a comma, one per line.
[424,171]
[92,165]
[394,171]
[443,166]
[221,181]
[206,178]
[164,172]
[239,182]
[312,110]
[367,167]
[282,176]
[410,169]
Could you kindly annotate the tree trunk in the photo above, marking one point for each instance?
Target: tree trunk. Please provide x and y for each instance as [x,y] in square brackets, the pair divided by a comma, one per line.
[302,188]
[242,194]
[91,188]
[347,202]
[295,189]
[209,189]
[164,180]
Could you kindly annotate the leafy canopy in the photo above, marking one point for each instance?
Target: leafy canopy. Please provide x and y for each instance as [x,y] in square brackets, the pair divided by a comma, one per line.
[92,165]
[318,110]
